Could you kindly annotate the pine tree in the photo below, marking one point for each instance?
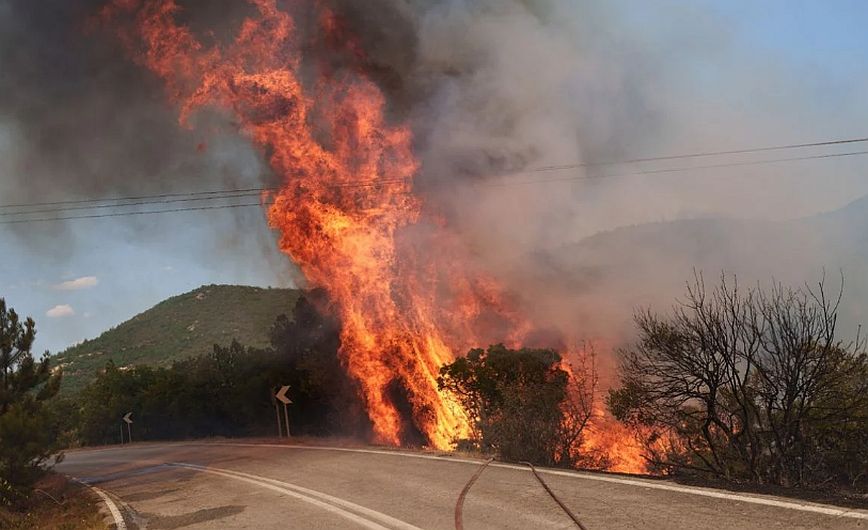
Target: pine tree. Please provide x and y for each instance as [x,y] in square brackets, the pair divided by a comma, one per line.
[27,440]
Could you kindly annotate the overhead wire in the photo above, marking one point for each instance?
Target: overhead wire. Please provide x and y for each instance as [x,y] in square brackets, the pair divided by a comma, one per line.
[133,198]
[213,195]
[685,168]
[125,214]
[743,151]
[140,203]
[375,182]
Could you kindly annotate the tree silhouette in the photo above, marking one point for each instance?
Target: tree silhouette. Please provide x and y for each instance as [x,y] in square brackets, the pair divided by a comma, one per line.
[27,439]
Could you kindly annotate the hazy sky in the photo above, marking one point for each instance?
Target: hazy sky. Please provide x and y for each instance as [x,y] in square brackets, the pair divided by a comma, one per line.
[734,74]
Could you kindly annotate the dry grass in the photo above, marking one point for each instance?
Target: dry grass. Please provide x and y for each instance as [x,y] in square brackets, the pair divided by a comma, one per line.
[56,503]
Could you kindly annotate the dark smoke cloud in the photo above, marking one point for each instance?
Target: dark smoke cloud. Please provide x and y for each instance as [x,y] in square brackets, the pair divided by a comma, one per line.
[86,121]
[80,120]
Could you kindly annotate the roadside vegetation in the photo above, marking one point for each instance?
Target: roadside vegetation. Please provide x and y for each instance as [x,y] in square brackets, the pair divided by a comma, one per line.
[525,405]
[746,386]
[56,503]
[228,391]
[749,386]
[28,432]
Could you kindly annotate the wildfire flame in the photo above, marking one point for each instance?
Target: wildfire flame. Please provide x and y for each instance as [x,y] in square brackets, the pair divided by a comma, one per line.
[621,446]
[345,203]
[345,197]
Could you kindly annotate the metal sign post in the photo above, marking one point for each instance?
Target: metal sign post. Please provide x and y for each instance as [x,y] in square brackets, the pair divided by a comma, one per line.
[281,396]
[276,411]
[129,421]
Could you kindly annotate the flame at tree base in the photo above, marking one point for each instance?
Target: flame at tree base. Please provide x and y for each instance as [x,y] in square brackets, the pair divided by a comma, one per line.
[621,449]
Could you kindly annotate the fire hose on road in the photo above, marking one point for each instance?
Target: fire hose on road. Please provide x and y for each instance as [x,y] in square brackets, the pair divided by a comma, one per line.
[459,505]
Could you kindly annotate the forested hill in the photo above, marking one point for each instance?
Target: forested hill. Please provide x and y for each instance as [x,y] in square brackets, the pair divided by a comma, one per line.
[180,327]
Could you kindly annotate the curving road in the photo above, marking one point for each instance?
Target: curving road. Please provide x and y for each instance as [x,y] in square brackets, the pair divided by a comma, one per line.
[260,485]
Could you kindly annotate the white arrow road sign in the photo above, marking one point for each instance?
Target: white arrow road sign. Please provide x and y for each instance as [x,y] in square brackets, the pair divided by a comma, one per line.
[281,395]
[127,417]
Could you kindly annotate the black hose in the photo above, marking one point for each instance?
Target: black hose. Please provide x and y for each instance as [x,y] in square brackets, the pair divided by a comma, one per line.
[555,497]
[459,505]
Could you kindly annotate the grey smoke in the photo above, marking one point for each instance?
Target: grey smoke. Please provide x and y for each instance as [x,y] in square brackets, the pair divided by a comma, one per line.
[80,120]
[499,86]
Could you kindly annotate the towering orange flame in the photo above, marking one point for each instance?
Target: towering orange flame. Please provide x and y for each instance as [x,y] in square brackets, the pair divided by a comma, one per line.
[344,202]
[408,294]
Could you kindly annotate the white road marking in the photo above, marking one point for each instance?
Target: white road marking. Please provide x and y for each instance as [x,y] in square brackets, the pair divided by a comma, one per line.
[830,510]
[113,508]
[359,514]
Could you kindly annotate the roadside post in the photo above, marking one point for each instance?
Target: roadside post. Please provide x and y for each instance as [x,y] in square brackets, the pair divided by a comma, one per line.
[282,397]
[128,419]
[273,397]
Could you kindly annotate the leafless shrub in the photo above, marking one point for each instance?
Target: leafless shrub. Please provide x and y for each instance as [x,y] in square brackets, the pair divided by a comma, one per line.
[749,384]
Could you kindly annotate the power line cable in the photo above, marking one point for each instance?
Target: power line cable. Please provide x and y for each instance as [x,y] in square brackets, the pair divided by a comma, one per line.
[537,181]
[825,143]
[365,183]
[141,203]
[125,214]
[377,182]
[533,181]
[684,168]
[134,198]
[230,194]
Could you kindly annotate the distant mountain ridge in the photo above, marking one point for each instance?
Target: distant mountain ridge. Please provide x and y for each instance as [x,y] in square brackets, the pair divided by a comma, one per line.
[597,283]
[180,327]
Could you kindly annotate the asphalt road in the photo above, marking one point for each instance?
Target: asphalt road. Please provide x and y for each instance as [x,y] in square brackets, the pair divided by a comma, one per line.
[247,485]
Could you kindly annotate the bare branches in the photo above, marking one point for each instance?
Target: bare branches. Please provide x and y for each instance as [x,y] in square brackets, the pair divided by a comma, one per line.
[744,379]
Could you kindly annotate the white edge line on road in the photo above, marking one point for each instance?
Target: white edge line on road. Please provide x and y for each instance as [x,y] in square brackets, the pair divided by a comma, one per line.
[704,492]
[113,508]
[322,500]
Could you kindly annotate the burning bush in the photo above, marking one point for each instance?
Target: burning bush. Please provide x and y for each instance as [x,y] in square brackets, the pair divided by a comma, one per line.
[525,404]
[749,386]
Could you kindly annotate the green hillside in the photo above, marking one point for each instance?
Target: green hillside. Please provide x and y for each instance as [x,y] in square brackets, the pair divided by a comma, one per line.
[180,327]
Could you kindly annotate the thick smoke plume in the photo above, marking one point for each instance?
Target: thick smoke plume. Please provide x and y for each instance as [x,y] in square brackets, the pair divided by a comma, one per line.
[495,87]
[79,120]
